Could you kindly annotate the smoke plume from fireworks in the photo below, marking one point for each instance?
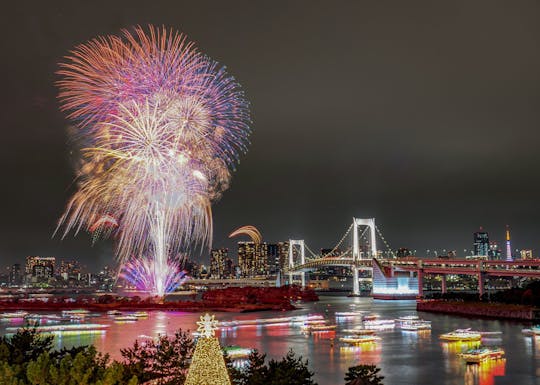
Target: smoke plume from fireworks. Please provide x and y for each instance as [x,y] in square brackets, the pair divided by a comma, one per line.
[162,126]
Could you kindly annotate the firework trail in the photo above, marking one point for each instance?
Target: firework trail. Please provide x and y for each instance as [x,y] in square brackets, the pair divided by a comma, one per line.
[162,126]
[140,273]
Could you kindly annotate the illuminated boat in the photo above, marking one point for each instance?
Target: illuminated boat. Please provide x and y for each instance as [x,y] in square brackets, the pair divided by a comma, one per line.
[73,329]
[380,324]
[75,312]
[461,335]
[484,334]
[357,340]
[46,317]
[348,314]
[370,317]
[236,352]
[476,356]
[361,331]
[125,318]
[17,314]
[140,314]
[318,327]
[415,325]
[114,312]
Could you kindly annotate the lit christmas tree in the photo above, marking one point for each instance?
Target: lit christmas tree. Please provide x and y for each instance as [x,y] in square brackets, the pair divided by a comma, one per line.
[207,365]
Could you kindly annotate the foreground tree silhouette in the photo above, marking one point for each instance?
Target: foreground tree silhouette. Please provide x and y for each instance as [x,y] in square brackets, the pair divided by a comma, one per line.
[363,375]
[290,370]
[165,360]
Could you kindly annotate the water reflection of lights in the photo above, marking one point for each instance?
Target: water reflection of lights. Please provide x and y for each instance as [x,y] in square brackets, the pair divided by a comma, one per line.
[369,353]
[458,346]
[484,373]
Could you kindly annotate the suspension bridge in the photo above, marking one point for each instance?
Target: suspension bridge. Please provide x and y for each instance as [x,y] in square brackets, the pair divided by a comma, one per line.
[393,277]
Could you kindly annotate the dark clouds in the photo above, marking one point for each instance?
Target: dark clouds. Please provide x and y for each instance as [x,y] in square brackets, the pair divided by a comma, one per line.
[421,114]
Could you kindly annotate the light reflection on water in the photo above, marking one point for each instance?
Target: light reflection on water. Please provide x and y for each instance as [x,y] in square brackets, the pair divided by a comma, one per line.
[405,357]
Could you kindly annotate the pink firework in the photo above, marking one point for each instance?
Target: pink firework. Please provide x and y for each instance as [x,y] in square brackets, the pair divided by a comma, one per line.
[163,126]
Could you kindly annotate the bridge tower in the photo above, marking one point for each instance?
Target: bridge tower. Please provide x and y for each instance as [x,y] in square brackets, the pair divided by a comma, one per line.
[300,243]
[370,223]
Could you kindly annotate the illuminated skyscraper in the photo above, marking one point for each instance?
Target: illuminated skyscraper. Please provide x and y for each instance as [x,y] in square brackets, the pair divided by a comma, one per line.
[218,261]
[526,254]
[253,259]
[508,246]
[494,252]
[39,269]
[481,243]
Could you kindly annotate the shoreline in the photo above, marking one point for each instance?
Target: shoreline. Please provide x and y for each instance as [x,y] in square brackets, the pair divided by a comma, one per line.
[480,309]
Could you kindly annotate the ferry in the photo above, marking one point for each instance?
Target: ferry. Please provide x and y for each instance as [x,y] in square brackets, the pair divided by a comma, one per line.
[348,314]
[114,312]
[356,340]
[361,331]
[236,352]
[81,312]
[461,335]
[380,324]
[73,329]
[17,314]
[370,317]
[318,327]
[476,356]
[484,334]
[534,331]
[140,314]
[415,325]
[125,318]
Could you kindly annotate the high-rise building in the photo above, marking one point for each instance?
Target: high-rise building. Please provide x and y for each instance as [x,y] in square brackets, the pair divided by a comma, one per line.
[218,259]
[526,254]
[494,252]
[283,255]
[508,246]
[253,259]
[39,269]
[481,243]
[69,269]
[15,275]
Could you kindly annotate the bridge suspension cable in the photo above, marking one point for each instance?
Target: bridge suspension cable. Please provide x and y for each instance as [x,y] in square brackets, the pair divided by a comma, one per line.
[315,256]
[385,242]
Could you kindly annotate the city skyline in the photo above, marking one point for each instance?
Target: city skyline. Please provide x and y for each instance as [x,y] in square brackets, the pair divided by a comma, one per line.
[327,145]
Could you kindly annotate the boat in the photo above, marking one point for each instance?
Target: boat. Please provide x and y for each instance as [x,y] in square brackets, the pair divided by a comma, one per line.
[114,312]
[484,334]
[17,314]
[348,314]
[415,325]
[125,318]
[361,331]
[370,317]
[75,312]
[356,340]
[140,314]
[461,335]
[380,324]
[236,352]
[476,356]
[73,329]
[319,327]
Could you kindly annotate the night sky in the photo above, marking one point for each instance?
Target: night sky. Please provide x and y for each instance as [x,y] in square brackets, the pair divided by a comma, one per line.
[423,115]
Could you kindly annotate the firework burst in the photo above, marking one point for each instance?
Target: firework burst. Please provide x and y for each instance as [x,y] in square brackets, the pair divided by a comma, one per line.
[163,126]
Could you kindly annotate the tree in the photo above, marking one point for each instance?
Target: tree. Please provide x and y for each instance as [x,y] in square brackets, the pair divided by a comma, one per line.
[165,360]
[363,375]
[290,370]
